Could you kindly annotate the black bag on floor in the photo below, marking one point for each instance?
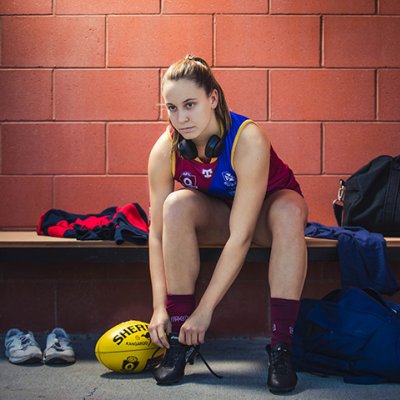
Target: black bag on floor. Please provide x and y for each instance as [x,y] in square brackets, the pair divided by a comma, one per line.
[370,198]
[352,333]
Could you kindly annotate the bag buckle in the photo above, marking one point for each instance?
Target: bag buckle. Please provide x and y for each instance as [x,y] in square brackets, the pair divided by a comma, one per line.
[341,190]
[340,195]
[338,203]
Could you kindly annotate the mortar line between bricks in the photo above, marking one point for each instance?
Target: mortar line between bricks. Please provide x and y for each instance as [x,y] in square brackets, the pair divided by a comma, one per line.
[74,175]
[214,41]
[287,121]
[53,191]
[233,67]
[1,39]
[321,44]
[53,94]
[323,138]
[159,106]
[106,149]
[269,95]
[106,19]
[1,150]
[376,94]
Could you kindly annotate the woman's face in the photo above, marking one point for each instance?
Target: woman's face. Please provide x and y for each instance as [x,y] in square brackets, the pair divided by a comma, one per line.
[190,110]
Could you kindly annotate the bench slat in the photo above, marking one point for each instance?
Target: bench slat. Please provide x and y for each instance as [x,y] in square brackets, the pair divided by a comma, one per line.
[27,245]
[32,239]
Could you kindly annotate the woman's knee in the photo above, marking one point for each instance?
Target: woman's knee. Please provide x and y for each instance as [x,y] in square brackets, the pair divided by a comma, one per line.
[289,210]
[180,206]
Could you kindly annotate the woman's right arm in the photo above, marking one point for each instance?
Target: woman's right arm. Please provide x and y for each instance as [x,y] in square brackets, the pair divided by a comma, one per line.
[160,186]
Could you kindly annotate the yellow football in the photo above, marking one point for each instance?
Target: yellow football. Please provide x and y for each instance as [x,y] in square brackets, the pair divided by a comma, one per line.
[127,348]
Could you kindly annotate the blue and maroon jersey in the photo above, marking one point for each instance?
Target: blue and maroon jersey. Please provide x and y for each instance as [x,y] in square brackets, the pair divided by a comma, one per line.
[218,178]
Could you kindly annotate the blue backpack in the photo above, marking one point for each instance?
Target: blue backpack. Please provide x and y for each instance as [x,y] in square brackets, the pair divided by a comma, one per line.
[353,333]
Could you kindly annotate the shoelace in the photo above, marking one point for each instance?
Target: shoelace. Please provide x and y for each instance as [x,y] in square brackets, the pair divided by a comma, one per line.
[24,340]
[60,344]
[175,352]
[57,345]
[206,364]
[280,361]
[173,356]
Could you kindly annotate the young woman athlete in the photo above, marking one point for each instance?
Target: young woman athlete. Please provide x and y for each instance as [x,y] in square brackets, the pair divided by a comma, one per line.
[236,191]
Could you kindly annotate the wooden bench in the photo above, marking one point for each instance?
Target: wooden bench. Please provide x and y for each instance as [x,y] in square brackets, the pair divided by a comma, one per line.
[45,280]
[27,245]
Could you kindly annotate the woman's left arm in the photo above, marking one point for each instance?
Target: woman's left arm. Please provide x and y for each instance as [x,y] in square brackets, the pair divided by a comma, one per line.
[251,164]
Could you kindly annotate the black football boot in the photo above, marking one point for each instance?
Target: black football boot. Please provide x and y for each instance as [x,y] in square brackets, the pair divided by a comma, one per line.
[172,368]
[281,376]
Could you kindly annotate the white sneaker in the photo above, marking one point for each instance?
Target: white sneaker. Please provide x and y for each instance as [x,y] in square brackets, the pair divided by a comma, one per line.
[22,348]
[58,348]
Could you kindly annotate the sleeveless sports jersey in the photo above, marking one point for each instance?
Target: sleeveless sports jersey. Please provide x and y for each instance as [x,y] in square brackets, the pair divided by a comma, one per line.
[218,178]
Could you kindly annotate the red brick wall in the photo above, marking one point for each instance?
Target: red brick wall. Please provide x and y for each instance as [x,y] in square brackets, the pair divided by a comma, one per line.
[80,91]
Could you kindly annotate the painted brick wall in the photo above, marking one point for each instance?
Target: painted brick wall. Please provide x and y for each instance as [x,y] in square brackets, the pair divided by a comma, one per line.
[80,91]
[79,112]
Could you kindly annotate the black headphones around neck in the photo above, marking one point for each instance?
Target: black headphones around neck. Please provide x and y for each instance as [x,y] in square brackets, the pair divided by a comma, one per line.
[188,150]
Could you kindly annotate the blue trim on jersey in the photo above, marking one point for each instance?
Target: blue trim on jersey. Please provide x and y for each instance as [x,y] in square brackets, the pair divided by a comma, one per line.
[224,181]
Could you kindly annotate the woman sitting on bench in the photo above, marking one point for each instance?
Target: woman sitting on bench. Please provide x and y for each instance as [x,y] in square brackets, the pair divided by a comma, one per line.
[236,191]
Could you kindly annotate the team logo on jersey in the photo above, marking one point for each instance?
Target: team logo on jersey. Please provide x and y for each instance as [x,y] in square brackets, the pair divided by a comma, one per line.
[188,180]
[229,179]
[207,173]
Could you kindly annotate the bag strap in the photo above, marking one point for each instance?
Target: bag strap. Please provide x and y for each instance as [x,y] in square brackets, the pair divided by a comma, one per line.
[334,297]
[338,203]
[377,297]
[338,212]
[392,192]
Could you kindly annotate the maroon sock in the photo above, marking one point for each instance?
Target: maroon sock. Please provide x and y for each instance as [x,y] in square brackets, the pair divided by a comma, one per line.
[179,308]
[284,313]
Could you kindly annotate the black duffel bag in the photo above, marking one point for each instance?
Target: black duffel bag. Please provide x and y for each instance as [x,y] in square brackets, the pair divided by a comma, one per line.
[370,198]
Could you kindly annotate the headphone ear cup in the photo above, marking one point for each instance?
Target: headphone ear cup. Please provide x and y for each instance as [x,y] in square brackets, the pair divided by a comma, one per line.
[187,149]
[214,146]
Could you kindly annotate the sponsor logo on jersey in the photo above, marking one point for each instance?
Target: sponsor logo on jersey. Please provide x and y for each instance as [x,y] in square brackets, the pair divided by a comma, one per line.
[229,179]
[207,173]
[188,180]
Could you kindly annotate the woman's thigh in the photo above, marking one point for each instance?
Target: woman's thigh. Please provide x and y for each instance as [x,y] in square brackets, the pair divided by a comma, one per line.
[209,215]
[282,209]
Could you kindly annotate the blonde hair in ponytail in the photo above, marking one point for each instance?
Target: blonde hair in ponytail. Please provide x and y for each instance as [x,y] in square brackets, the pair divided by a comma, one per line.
[197,70]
